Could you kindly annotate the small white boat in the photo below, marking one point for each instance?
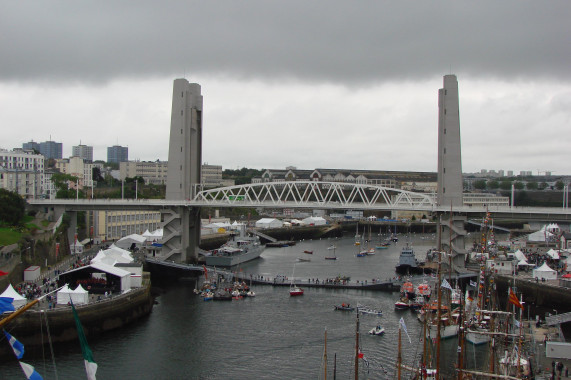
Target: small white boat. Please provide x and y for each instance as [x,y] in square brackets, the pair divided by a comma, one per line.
[367,310]
[251,293]
[301,259]
[377,330]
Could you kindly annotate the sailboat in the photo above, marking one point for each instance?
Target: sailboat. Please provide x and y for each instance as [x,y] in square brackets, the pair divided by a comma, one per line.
[294,290]
[334,257]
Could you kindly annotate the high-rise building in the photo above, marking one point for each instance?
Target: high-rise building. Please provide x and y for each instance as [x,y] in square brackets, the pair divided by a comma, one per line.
[83,151]
[51,149]
[450,186]
[117,154]
[32,145]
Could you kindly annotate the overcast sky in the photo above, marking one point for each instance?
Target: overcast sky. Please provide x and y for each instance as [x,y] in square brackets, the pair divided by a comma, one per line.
[313,84]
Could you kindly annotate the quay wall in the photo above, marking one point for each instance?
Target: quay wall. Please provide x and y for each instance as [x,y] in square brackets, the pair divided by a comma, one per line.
[96,318]
[539,297]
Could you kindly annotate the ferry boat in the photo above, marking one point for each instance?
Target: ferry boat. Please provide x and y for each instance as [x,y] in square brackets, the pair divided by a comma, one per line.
[236,251]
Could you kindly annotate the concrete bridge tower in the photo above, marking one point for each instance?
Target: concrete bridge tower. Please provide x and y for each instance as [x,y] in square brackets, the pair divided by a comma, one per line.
[450,182]
[181,234]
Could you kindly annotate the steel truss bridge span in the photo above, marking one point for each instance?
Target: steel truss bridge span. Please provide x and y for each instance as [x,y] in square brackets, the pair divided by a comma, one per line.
[312,194]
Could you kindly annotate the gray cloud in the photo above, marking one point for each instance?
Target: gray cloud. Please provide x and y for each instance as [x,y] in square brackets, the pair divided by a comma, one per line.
[327,41]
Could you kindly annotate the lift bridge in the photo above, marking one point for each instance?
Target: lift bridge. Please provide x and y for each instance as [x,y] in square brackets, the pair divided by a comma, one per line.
[312,194]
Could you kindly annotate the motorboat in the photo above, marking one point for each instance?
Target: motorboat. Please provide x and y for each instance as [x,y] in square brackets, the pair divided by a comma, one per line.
[295,290]
[377,330]
[344,307]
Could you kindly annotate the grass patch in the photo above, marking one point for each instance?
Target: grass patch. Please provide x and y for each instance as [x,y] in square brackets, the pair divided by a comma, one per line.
[9,236]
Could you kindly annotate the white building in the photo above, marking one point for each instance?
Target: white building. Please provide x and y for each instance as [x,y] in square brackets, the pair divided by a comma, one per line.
[77,167]
[113,225]
[22,172]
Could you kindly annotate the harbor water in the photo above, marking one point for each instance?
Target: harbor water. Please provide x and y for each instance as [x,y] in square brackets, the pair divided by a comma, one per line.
[271,335]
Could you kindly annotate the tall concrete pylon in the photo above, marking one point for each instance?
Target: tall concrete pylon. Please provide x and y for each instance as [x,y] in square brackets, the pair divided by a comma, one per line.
[450,185]
[181,225]
[451,233]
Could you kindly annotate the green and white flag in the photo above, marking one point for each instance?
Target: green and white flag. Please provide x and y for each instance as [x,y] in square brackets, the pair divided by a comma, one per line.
[90,365]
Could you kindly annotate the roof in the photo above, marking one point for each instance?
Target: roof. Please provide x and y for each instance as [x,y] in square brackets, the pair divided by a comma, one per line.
[544,268]
[134,237]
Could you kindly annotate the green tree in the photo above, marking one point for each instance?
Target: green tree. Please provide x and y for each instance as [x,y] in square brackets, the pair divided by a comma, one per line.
[493,184]
[559,185]
[12,208]
[96,175]
[519,185]
[542,186]
[480,184]
[531,185]
[506,185]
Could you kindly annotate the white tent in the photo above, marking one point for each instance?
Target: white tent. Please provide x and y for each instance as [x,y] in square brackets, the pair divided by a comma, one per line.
[519,255]
[269,223]
[553,254]
[541,236]
[64,295]
[314,221]
[125,276]
[544,272]
[80,296]
[113,255]
[128,241]
[523,263]
[19,300]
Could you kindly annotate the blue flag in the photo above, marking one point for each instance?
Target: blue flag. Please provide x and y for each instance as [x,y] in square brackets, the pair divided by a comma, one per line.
[6,304]
[17,347]
[30,372]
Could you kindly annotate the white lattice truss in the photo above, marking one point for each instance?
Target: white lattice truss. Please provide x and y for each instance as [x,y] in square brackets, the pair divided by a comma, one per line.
[315,194]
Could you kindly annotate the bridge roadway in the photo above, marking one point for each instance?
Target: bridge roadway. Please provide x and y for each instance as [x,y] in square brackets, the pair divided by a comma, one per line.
[554,214]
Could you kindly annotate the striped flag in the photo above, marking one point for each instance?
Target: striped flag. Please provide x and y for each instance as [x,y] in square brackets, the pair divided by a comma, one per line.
[90,365]
[17,347]
[30,372]
[513,300]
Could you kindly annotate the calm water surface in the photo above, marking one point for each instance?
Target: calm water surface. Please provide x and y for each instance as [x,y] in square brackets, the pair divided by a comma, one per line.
[270,336]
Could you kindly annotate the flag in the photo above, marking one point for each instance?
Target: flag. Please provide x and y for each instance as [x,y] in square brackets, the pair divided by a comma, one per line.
[17,347]
[90,365]
[2,273]
[513,300]
[517,324]
[205,272]
[360,355]
[446,285]
[473,283]
[401,322]
[30,372]
[6,304]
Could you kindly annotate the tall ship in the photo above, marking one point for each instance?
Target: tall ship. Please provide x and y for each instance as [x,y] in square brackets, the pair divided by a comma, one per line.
[236,251]
[408,264]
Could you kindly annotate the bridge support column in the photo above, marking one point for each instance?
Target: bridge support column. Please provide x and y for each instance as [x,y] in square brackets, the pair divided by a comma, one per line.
[451,238]
[181,234]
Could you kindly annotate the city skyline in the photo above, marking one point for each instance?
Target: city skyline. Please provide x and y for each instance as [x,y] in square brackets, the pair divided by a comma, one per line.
[347,87]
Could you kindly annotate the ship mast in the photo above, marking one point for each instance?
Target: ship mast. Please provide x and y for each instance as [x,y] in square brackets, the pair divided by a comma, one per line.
[357,348]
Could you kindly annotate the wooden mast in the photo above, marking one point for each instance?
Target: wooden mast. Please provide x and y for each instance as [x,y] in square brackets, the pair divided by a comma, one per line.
[399,357]
[438,316]
[325,357]
[357,348]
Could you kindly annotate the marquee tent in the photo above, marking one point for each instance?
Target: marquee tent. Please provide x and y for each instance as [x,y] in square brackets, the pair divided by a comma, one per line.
[519,255]
[314,221]
[80,296]
[64,295]
[553,254]
[544,272]
[129,241]
[19,300]
[269,223]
